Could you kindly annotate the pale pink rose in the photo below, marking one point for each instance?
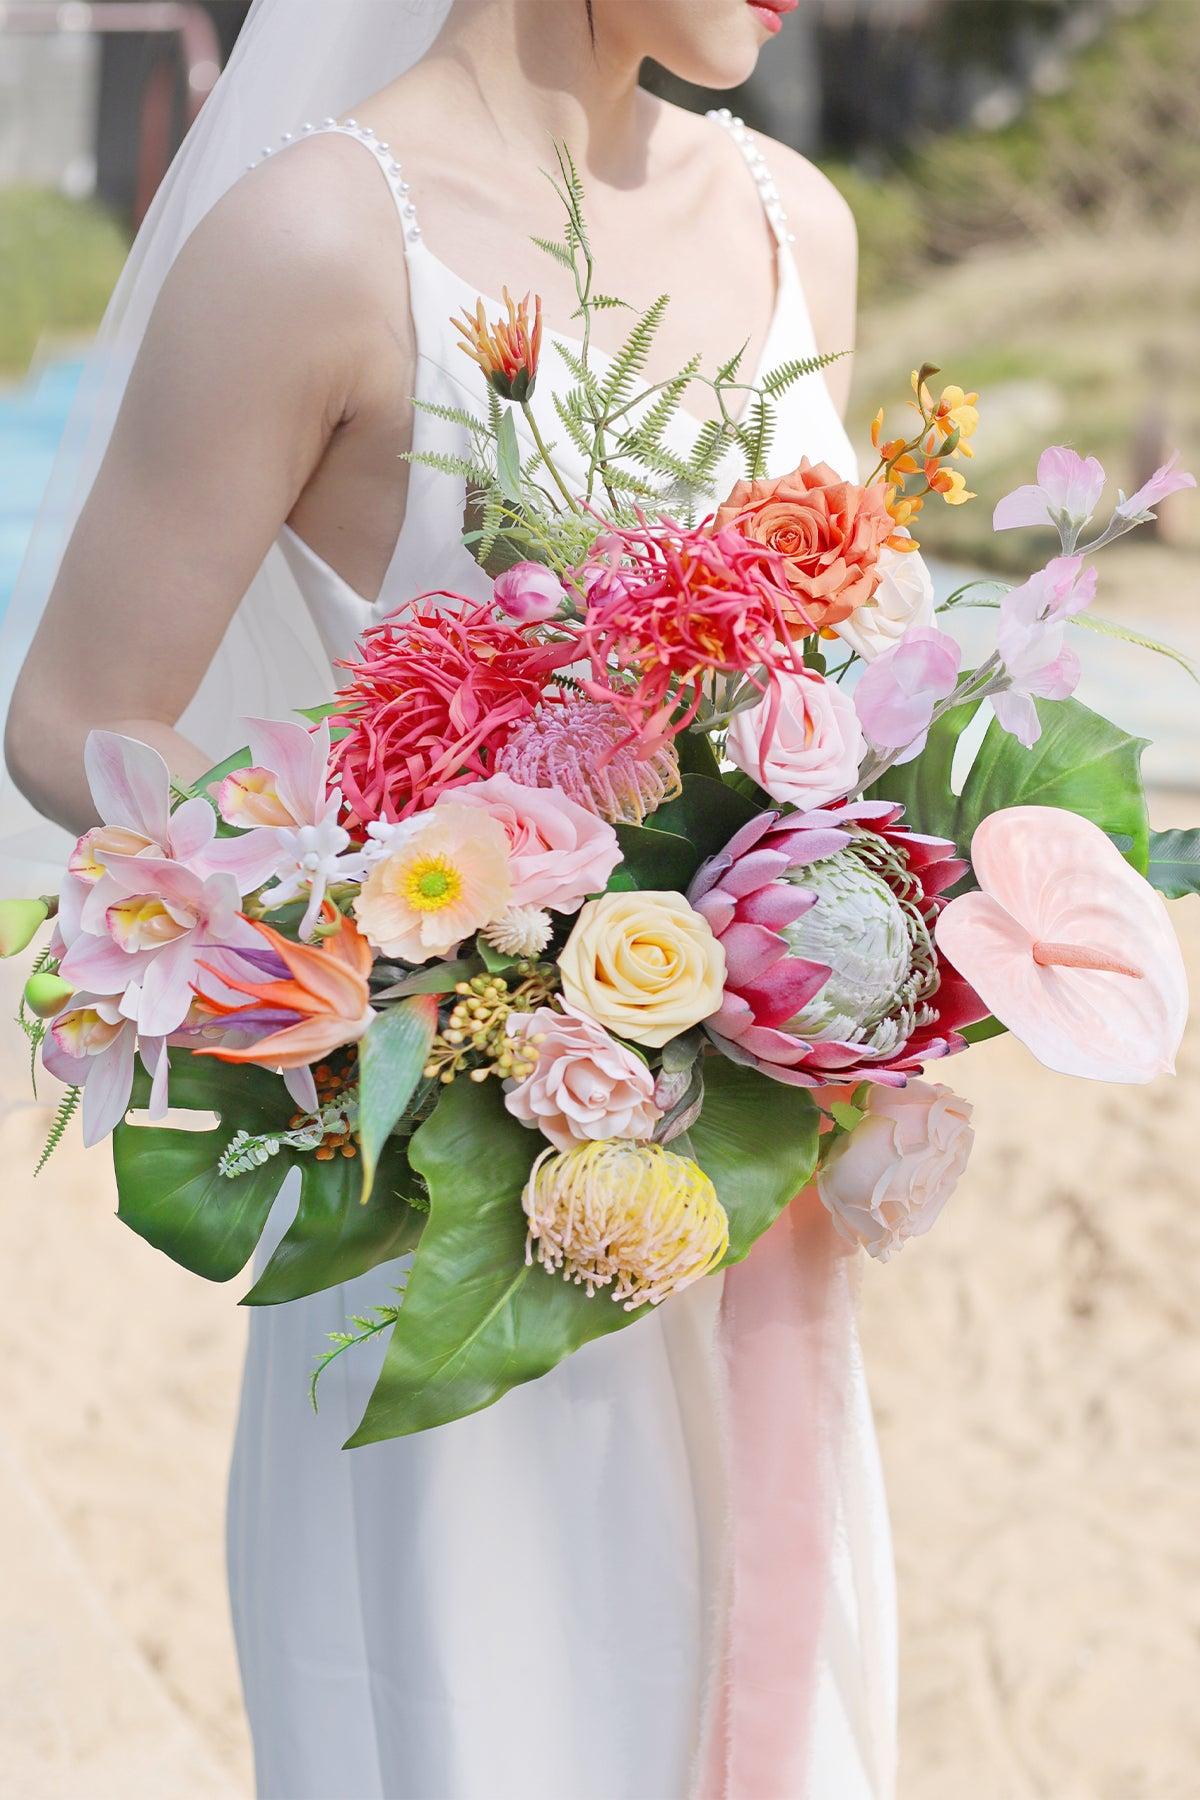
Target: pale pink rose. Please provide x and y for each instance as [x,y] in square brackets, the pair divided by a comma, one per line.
[888,1179]
[586,1085]
[529,591]
[1066,494]
[559,851]
[898,693]
[902,601]
[810,752]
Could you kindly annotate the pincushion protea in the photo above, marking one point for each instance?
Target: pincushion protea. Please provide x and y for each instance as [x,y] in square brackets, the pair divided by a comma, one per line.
[826,919]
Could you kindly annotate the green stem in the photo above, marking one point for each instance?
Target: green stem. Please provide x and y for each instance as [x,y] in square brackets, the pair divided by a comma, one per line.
[544,453]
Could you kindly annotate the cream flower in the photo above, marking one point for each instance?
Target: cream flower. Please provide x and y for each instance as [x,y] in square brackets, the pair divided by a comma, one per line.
[645,965]
[902,600]
[443,881]
[888,1179]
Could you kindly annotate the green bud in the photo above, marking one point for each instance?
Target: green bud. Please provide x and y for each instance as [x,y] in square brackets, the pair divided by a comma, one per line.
[20,922]
[47,994]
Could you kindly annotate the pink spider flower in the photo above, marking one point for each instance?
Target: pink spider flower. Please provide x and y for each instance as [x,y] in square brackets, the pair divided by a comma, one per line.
[432,698]
[673,606]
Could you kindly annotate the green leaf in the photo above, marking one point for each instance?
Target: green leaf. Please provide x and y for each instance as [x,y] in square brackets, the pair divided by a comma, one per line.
[496,962]
[477,1320]
[652,859]
[442,978]
[1174,867]
[1081,763]
[756,1139]
[982,1030]
[846,1116]
[335,1237]
[171,1192]
[508,459]
[707,813]
[390,1059]
[696,754]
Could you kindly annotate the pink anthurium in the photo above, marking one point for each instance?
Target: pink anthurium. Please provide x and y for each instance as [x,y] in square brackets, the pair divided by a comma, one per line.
[1069,947]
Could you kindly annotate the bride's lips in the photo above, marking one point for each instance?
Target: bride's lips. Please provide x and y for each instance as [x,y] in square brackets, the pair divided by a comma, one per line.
[770,12]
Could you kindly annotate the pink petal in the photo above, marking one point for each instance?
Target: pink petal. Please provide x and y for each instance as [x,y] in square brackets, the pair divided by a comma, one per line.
[750,950]
[251,859]
[192,827]
[1024,506]
[299,758]
[167,988]
[109,1085]
[101,966]
[791,985]
[1071,483]
[130,784]
[1164,481]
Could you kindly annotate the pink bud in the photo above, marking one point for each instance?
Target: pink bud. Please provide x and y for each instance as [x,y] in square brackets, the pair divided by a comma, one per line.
[528,592]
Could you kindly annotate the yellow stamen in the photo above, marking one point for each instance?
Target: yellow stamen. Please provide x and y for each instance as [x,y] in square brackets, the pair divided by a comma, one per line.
[431,883]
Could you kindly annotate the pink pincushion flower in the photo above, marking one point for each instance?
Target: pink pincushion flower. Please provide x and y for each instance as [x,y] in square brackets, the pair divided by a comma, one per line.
[582,749]
[671,607]
[559,852]
[1067,492]
[813,753]
[431,700]
[586,1086]
[826,919]
[897,694]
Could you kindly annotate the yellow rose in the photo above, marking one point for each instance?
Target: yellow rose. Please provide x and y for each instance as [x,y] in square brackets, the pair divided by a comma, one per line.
[646,966]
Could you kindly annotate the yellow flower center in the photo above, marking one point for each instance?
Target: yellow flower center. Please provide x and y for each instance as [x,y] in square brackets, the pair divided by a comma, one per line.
[431,883]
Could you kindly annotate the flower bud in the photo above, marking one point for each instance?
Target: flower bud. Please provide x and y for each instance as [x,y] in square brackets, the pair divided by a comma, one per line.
[47,994]
[528,592]
[20,922]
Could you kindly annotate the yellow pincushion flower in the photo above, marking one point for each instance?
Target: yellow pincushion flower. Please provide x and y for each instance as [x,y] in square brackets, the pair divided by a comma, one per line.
[631,1214]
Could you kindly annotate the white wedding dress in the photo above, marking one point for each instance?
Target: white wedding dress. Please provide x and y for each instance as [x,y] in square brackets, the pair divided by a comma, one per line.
[521,1605]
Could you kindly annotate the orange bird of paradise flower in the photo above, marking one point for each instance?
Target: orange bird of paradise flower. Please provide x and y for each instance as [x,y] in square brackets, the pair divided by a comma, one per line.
[326,990]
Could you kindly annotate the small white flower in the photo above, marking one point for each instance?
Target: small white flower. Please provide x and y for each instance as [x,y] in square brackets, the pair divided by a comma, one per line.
[519,931]
[311,857]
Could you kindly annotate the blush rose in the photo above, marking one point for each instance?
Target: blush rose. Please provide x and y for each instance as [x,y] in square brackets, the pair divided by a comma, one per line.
[559,851]
[585,1086]
[888,1179]
[810,752]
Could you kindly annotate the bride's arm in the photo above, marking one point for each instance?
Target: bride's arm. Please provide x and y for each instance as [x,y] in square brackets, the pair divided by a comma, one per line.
[251,361]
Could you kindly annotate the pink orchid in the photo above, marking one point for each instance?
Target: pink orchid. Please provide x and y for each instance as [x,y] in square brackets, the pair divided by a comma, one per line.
[897,694]
[1166,480]
[1030,642]
[1067,491]
[92,1046]
[144,927]
[1069,947]
[294,837]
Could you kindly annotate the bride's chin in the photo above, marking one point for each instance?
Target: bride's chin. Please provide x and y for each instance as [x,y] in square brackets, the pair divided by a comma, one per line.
[710,43]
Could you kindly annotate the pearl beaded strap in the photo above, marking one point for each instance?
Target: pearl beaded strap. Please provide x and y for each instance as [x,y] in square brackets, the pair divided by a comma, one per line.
[767,190]
[381,152]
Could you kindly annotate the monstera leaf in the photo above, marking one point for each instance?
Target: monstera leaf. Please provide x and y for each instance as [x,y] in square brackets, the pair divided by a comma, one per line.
[1081,763]
[477,1319]
[171,1192]
[1175,863]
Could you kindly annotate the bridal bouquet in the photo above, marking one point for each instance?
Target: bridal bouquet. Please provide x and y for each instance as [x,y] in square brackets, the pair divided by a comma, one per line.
[591,920]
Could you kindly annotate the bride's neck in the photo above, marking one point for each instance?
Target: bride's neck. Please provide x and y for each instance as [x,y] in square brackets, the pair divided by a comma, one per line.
[525,75]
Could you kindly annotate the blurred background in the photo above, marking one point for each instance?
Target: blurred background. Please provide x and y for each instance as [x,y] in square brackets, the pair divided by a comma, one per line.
[1024,173]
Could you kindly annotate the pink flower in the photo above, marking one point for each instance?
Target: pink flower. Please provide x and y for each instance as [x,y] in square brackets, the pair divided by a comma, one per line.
[586,1085]
[92,1045]
[529,592]
[897,694]
[1030,641]
[582,749]
[444,878]
[1067,491]
[826,919]
[888,1179]
[1166,480]
[812,754]
[1069,947]
[559,852]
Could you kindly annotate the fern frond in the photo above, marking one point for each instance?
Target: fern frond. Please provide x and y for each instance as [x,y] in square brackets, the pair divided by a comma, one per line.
[708,450]
[606,303]
[453,415]
[574,424]
[656,418]
[631,358]
[473,473]
[62,1118]
[785,375]
[728,370]
[755,435]
[554,249]
[367,1326]
[588,385]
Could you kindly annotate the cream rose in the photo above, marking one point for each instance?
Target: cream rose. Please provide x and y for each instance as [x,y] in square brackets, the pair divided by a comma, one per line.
[645,966]
[815,745]
[888,1179]
[902,599]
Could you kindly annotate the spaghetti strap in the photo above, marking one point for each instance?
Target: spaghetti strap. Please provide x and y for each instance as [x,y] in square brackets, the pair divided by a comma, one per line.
[768,192]
[393,174]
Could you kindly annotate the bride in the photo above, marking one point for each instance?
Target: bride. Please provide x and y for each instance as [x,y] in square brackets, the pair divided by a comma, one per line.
[530,1604]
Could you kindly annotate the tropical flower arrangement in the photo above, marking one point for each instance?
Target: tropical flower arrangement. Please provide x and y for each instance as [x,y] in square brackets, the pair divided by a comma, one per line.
[590,922]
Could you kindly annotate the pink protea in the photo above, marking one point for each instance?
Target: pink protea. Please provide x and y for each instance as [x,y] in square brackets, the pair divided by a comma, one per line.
[433,694]
[673,606]
[826,919]
[582,748]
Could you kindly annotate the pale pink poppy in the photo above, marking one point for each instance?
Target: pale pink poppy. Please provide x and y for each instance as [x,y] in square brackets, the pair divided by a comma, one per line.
[1069,947]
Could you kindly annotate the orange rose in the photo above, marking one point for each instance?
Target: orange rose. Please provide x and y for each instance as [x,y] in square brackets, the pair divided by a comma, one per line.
[829,531]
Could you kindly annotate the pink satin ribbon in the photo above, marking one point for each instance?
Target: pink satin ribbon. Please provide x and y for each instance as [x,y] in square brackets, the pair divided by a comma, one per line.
[786,1331]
